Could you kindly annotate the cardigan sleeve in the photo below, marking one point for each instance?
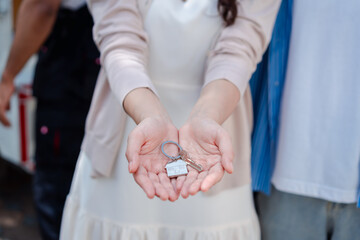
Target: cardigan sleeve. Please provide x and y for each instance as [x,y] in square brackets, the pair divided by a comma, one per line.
[240,46]
[119,34]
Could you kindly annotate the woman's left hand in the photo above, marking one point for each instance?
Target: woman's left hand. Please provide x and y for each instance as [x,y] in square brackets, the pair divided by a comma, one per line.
[209,145]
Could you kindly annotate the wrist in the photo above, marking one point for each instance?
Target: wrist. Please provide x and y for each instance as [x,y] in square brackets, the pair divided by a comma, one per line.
[142,103]
[163,117]
[217,101]
[199,121]
[7,77]
[202,110]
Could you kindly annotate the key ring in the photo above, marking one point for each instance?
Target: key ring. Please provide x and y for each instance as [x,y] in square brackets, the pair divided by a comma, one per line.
[171,157]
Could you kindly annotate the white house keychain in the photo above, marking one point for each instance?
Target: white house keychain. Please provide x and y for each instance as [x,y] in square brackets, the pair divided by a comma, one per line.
[177,166]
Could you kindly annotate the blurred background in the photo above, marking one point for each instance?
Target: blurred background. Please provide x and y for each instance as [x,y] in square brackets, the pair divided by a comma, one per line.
[17,214]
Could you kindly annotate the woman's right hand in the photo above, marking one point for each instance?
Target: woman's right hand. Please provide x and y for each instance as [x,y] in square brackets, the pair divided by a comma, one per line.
[147,162]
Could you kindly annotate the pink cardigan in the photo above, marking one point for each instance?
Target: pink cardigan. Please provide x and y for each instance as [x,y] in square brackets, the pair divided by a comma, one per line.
[120,36]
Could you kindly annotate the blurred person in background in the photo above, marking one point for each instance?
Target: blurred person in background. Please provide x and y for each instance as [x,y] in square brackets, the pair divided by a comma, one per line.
[306,140]
[65,77]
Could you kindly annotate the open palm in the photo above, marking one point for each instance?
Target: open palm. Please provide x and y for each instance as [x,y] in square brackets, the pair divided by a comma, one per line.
[147,162]
[209,145]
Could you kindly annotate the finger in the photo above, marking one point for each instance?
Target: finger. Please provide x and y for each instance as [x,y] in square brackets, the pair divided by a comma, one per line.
[190,178]
[142,179]
[135,141]
[215,175]
[7,106]
[3,119]
[160,191]
[196,185]
[165,182]
[173,183]
[223,141]
[134,164]
[179,183]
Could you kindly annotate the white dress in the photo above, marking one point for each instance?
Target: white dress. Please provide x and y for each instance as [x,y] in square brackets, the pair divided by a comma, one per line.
[116,207]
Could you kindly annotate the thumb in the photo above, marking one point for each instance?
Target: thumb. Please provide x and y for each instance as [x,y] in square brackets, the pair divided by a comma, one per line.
[3,119]
[134,143]
[224,143]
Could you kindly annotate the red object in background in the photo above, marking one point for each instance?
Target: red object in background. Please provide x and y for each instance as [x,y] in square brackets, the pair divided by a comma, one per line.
[24,93]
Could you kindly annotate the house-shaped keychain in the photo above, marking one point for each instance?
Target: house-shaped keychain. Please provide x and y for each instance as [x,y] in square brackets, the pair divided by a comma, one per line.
[176,168]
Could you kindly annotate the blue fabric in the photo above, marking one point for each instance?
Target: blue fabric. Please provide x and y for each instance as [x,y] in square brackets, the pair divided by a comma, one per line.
[266,87]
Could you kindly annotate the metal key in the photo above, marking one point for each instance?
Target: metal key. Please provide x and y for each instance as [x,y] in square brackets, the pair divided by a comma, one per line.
[185,157]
